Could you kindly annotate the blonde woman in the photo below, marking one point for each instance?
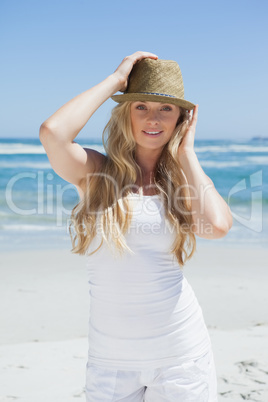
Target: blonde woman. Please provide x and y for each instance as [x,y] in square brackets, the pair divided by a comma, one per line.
[142,204]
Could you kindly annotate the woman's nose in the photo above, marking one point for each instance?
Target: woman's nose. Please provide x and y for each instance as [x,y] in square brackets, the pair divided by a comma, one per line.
[153,116]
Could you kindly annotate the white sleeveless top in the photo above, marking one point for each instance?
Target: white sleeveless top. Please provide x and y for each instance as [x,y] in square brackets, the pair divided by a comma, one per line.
[143,312]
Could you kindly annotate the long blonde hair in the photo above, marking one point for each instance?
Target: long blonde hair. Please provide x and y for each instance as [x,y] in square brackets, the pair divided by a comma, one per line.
[105,206]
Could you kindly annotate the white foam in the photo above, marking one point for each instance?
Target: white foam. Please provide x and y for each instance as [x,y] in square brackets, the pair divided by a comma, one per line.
[249,160]
[231,148]
[33,228]
[11,149]
[258,160]
[219,164]
[31,165]
[22,149]
[248,148]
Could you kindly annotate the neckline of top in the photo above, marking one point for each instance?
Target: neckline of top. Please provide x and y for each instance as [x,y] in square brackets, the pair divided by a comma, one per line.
[142,195]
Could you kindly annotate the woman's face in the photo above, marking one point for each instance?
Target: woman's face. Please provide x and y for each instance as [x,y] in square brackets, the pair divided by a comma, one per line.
[153,123]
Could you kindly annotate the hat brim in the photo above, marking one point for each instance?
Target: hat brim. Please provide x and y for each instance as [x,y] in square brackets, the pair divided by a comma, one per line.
[134,97]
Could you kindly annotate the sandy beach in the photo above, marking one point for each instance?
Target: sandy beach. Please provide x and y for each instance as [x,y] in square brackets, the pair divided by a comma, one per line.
[44,313]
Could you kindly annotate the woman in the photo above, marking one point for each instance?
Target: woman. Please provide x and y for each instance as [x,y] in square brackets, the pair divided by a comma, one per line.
[141,206]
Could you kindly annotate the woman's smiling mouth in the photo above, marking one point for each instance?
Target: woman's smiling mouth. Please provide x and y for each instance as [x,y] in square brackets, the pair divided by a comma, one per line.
[152,133]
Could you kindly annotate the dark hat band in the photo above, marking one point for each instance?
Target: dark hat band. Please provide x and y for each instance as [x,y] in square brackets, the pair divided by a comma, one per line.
[156,93]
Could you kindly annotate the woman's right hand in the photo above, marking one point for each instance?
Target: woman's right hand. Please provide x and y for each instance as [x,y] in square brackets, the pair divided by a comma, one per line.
[124,69]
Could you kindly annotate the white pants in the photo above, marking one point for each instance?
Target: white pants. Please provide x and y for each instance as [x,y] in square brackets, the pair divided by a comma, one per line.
[193,381]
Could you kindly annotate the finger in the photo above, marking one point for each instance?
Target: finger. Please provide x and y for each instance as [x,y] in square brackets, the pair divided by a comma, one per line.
[125,67]
[194,116]
[137,56]
[129,61]
[142,55]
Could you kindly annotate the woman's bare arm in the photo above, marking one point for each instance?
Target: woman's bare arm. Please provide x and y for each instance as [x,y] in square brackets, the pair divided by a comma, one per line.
[68,159]
[211,215]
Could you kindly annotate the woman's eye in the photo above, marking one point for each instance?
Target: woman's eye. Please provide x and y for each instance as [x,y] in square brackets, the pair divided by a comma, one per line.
[141,107]
[166,108]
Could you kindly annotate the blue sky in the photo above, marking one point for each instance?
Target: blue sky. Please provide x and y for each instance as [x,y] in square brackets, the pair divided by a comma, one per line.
[55,49]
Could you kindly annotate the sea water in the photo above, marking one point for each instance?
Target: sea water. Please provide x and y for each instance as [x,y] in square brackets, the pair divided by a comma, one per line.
[36,204]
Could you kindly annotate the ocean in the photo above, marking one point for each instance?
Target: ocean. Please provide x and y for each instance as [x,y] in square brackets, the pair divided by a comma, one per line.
[35,203]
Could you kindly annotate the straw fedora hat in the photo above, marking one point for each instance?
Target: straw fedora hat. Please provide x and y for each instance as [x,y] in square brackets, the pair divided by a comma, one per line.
[155,81]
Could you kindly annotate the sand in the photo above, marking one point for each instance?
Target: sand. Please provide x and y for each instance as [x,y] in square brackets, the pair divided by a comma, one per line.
[44,313]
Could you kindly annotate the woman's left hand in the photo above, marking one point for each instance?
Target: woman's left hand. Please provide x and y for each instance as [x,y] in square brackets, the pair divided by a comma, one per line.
[187,143]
